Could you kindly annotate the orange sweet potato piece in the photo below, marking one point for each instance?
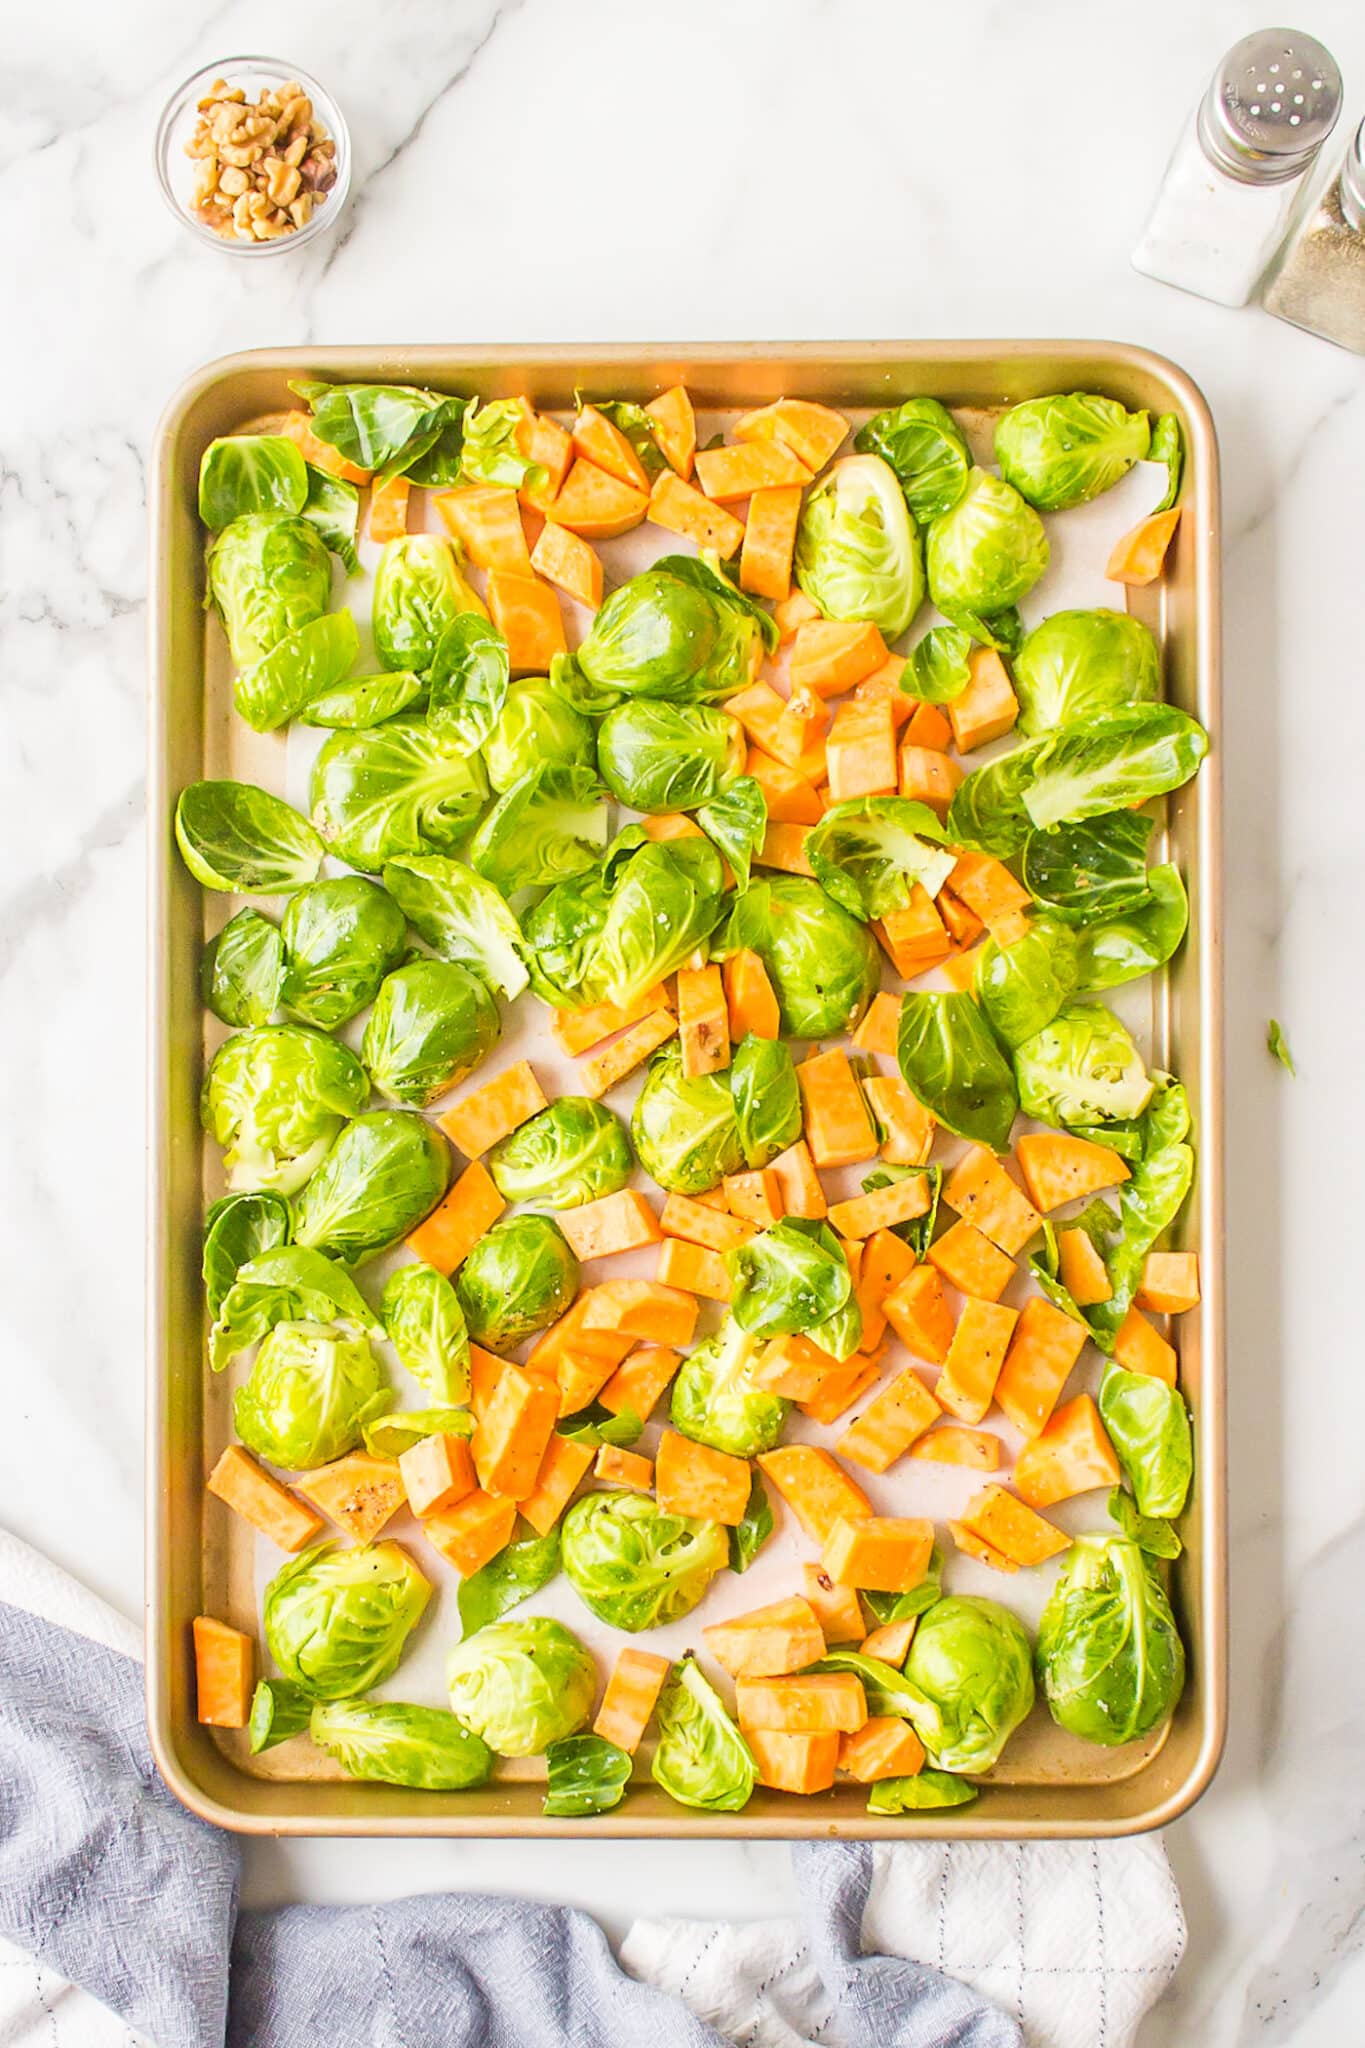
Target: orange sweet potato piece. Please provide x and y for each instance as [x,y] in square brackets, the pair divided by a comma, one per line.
[879,1026]
[883,1553]
[927,728]
[986,886]
[472,1206]
[793,1763]
[486,520]
[675,427]
[913,938]
[680,507]
[892,1641]
[622,1222]
[471,1533]
[358,1492]
[543,441]
[700,1224]
[757,1197]
[570,563]
[1140,1347]
[261,1500]
[1044,1348]
[836,1608]
[802,1194]
[800,729]
[617,1467]
[703,1021]
[224,1673]
[298,427]
[478,1120]
[981,1191]
[389,508]
[765,562]
[1073,1455]
[526,611]
[890,1423]
[632,1692]
[975,1356]
[641,1308]
[928,775]
[965,1256]
[580,1030]
[905,1125]
[862,1215]
[437,1471]
[611,1063]
[838,1128]
[767,1642]
[791,800]
[597,506]
[791,613]
[920,1316]
[511,1436]
[861,751]
[1141,554]
[1012,1527]
[485,1370]
[751,1006]
[795,1367]
[596,438]
[884,1747]
[987,709]
[977,1449]
[830,655]
[1083,1271]
[784,847]
[959,969]
[821,1703]
[561,1468]
[692,1479]
[735,472]
[571,1334]
[1170,1283]
[963,926]
[766,719]
[812,432]
[640,1380]
[693,1268]
[1058,1168]
[837,1394]
[815,1486]
[976,1546]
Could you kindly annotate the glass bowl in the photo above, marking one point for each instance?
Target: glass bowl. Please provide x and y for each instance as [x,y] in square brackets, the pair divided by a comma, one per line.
[176,172]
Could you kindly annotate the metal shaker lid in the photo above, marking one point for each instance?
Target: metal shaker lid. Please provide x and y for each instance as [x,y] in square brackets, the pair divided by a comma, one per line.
[1353,182]
[1272,103]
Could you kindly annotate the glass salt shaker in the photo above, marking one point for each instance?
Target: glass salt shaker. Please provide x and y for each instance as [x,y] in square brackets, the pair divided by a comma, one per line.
[1318,279]
[1238,167]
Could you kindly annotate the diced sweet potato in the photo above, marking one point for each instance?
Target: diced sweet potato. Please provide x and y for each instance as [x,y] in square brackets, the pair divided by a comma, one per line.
[611,1063]
[1045,1346]
[675,427]
[700,1224]
[838,1128]
[862,1215]
[471,1534]
[765,562]
[962,924]
[735,472]
[767,1642]
[986,886]
[511,1436]
[821,1703]
[570,563]
[703,1021]
[980,1190]
[692,1479]
[622,1222]
[680,507]
[977,1449]
[526,612]
[975,1266]
[1012,1527]
[632,1692]
[795,1367]
[987,709]
[905,1126]
[843,1389]
[836,1608]
[791,614]
[884,686]
[224,1673]
[802,1194]
[791,800]
[751,1006]
[640,1380]
[1141,554]
[879,1025]
[891,1643]
[890,1423]
[975,1356]
[693,1268]
[472,1206]
[959,969]
[580,1030]
[1058,1168]
[815,1486]
[812,432]
[1170,1283]
[358,1492]
[389,508]
[976,1546]
[880,1553]
[1073,1455]
[485,1370]
[486,1114]
[861,751]
[830,655]
[641,1308]
[784,847]
[1082,1269]
[437,1471]
[920,1316]
[597,438]
[570,1333]
[486,521]
[928,728]
[596,505]
[756,1196]
[261,1500]
[1140,1347]
[927,774]
[543,441]
[793,1763]
[617,1467]
[914,937]
[561,1468]
[884,1747]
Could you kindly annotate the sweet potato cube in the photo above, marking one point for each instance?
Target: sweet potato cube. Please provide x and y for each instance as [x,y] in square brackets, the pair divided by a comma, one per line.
[511,1436]
[692,1479]
[838,1128]
[543,441]
[714,1229]
[920,1316]
[914,938]
[611,1063]
[887,1427]
[784,847]
[472,1206]
[1012,1527]
[751,1006]
[485,1370]
[928,728]
[767,1642]
[830,655]
[675,427]
[471,1534]
[755,1196]
[981,1191]
[976,1546]
[1141,554]
[1081,1266]
[987,709]
[261,1500]
[486,521]
[1045,1346]
[641,1308]
[617,1467]
[795,1367]
[437,1471]
[793,1763]
[821,1703]
[692,1268]
[802,1194]
[884,1747]
[892,1641]
[570,563]
[358,1492]
[580,1030]
[602,442]
[791,614]
[1170,1283]
[977,1449]
[967,1258]
[880,1023]
[638,1383]
[224,1673]
[703,1021]
[987,887]
[837,1608]
[680,507]
[526,611]
[959,969]
[1140,1347]
[812,432]
[904,1125]
[563,1465]
[389,508]
[632,1692]
[791,800]
[861,751]
[570,1333]
[1058,1168]
[623,1222]
[765,562]
[862,1215]
[501,1106]
[882,1553]
[884,686]
[735,472]
[815,1486]
[928,775]
[596,505]
[963,926]
[842,1389]
[1073,1455]
[975,1356]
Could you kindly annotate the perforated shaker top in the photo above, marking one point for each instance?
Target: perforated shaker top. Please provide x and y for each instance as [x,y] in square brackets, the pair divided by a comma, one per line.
[1272,104]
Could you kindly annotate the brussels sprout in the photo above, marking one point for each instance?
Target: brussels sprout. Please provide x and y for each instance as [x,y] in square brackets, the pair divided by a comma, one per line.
[663,904]
[1110,1658]
[634,1564]
[571,1153]
[823,964]
[767,1098]
[267,575]
[236,1229]
[925,1792]
[656,756]
[426,1327]
[585,1774]
[285,1284]
[518,1571]
[461,915]
[972,1666]
[418,592]
[274,1099]
[311,1390]
[520,1276]
[751,1532]
[384,1173]
[1149,1427]
[380,426]
[341,937]
[1168,449]
[986,553]
[394,790]
[365,701]
[987,812]
[717,1400]
[1022,986]
[700,1759]
[939,668]
[522,1684]
[492,450]
[337,1621]
[242,969]
[332,509]
[1082,1068]
[685,1132]
[951,1063]
[1059,451]
[923,444]
[677,632]
[858,551]
[1137,941]
[1084,771]
[736,822]
[869,853]
[1149,1201]
[279,1709]
[303,665]
[536,724]
[550,825]
[238,838]
[391,1743]
[1081,665]
[432,1022]
[250,473]
[1096,868]
[468,681]
[791,1277]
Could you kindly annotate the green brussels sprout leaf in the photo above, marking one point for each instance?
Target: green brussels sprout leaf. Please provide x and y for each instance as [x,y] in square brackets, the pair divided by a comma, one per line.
[573,1152]
[364,701]
[518,1571]
[303,665]
[286,1284]
[376,426]
[1149,1427]
[425,1324]
[1168,448]
[1153,1534]
[242,970]
[390,1742]
[790,1278]
[536,724]
[597,1425]
[987,812]
[491,451]
[1136,941]
[1278,1046]
[549,826]
[969,1675]
[1091,870]
[735,822]
[1110,1657]
[869,852]
[1024,985]
[461,915]
[332,509]
[519,1278]
[239,1228]
[766,1097]
[468,681]
[388,1436]
[584,1774]
[1082,1068]
[250,473]
[637,426]
[418,592]
[1084,771]
[279,1709]
[925,1792]
[1062,450]
[392,790]
[657,756]
[952,1065]
[701,1759]
[752,1531]
[938,671]
[923,444]
[268,574]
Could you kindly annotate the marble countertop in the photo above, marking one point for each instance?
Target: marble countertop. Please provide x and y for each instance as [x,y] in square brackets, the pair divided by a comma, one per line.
[776,169]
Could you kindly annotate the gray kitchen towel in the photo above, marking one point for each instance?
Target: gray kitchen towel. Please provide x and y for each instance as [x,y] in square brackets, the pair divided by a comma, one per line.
[108,1882]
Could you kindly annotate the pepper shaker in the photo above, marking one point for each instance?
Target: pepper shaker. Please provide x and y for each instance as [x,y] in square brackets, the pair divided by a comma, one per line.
[1318,279]
[1238,168]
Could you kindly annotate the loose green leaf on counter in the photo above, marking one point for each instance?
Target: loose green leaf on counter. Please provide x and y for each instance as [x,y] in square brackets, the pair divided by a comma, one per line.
[1278,1046]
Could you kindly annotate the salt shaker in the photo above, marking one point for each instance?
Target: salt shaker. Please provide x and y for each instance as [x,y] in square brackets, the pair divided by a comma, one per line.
[1318,279]
[1238,168]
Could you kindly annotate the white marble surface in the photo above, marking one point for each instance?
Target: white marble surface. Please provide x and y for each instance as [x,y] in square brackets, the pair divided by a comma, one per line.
[755,168]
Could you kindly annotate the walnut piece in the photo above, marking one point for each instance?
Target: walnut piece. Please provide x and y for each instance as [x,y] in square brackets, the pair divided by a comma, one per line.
[262,168]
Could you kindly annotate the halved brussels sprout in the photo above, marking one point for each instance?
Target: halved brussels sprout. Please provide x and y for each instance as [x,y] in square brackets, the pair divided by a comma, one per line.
[685,1131]
[236,1229]
[987,812]
[767,1098]
[923,444]
[823,964]
[389,1742]
[1091,870]
[341,937]
[792,1278]
[312,1388]
[1061,450]
[337,1621]
[279,1709]
[700,1759]
[519,1278]
[251,473]
[1149,1427]
[972,1666]
[585,1774]
[636,1565]
[1082,771]
[674,631]
[461,915]
[572,1152]
[1022,986]
[1081,665]
[657,757]
[380,426]
[522,1685]
[303,665]
[432,1022]
[393,790]
[550,825]
[536,724]
[717,1400]
[274,1099]
[986,553]
[240,839]
[426,1327]
[951,1063]
[664,903]
[1110,1658]
[858,551]
[869,853]
[1082,1068]
[267,575]
[288,1283]
[242,969]
[418,592]
[385,1172]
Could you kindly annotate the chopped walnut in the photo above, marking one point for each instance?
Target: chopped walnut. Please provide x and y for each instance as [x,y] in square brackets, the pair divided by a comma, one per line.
[262,169]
